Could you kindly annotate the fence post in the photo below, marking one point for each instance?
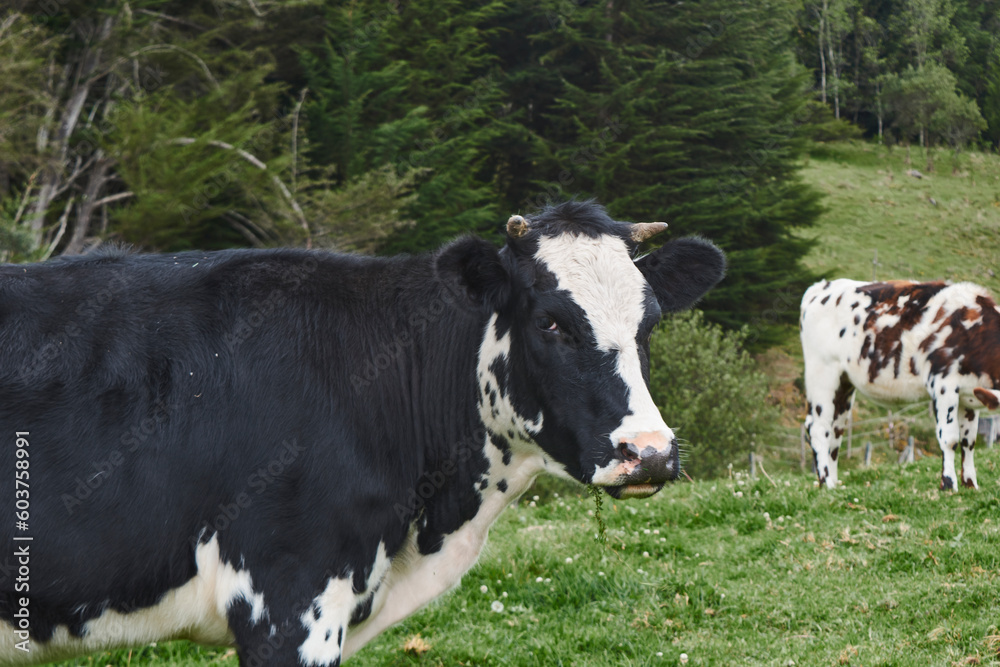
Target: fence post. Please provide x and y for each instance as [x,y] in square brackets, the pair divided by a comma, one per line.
[850,430]
[868,453]
[753,466]
[906,456]
[802,447]
[892,432]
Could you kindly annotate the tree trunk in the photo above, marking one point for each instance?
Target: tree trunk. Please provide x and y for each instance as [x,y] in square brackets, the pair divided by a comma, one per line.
[53,175]
[98,177]
[822,58]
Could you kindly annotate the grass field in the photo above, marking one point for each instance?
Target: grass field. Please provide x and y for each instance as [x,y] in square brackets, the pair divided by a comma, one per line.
[883,571]
[944,225]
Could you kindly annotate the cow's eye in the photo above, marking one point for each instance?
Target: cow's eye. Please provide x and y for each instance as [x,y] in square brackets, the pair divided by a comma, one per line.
[546,323]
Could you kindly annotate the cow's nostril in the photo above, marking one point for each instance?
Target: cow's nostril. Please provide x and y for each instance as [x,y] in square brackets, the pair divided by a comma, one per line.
[628,451]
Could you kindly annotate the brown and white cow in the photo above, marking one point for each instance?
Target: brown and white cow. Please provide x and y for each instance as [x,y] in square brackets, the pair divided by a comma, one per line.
[897,342]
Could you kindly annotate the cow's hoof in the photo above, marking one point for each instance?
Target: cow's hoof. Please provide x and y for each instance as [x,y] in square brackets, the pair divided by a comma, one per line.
[970,484]
[947,484]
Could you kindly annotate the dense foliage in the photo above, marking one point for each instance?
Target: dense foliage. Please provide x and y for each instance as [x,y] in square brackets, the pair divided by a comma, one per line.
[710,392]
[383,126]
[907,70]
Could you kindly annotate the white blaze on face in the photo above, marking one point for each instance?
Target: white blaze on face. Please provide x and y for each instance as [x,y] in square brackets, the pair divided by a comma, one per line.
[601,278]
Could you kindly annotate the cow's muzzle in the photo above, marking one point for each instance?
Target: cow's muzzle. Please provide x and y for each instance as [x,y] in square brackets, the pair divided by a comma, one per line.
[649,460]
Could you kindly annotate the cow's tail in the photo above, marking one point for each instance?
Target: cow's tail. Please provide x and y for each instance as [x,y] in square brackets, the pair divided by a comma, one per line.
[988,397]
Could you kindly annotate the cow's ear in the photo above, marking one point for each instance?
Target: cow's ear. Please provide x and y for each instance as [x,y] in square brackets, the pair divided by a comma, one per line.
[474,266]
[681,271]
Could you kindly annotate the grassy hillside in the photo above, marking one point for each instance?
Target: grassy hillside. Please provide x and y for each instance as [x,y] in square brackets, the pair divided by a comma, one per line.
[943,225]
[884,571]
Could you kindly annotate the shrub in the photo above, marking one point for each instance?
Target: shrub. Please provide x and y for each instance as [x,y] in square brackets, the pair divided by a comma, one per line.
[710,391]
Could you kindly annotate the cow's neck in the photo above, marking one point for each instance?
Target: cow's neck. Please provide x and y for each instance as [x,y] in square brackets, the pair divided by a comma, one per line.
[475,448]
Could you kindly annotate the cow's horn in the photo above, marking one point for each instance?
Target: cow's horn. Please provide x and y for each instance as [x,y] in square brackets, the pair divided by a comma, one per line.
[517,227]
[643,231]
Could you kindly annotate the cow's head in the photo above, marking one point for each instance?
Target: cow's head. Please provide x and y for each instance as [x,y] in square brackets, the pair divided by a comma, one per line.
[564,363]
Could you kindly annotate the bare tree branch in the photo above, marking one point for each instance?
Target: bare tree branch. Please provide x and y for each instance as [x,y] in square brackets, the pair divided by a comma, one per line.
[113,198]
[161,47]
[62,229]
[253,8]
[25,198]
[167,17]
[295,138]
[98,177]
[237,222]
[282,188]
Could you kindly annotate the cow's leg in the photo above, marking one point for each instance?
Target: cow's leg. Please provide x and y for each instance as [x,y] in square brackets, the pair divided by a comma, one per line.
[830,397]
[969,429]
[304,630]
[946,410]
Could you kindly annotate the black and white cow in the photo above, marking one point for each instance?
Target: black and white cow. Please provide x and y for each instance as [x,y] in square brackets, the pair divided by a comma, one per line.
[897,342]
[289,451]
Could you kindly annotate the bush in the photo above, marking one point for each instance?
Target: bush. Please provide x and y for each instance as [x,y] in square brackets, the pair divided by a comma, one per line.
[709,390]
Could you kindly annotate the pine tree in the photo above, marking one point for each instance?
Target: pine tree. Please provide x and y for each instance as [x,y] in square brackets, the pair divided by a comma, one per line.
[691,115]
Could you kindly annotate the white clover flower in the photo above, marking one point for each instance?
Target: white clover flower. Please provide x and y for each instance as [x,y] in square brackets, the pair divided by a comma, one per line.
[497,606]
[645,554]
[483,588]
[600,574]
[568,560]
[684,658]
[538,580]
[504,594]
[534,497]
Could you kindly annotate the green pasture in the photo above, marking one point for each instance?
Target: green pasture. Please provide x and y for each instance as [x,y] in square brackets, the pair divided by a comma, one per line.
[886,570]
[944,225]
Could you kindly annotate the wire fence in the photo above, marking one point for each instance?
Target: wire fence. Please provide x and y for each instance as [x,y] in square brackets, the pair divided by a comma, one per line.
[889,433]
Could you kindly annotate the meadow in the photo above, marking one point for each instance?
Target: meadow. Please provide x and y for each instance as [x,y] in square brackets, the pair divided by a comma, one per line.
[885,570]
